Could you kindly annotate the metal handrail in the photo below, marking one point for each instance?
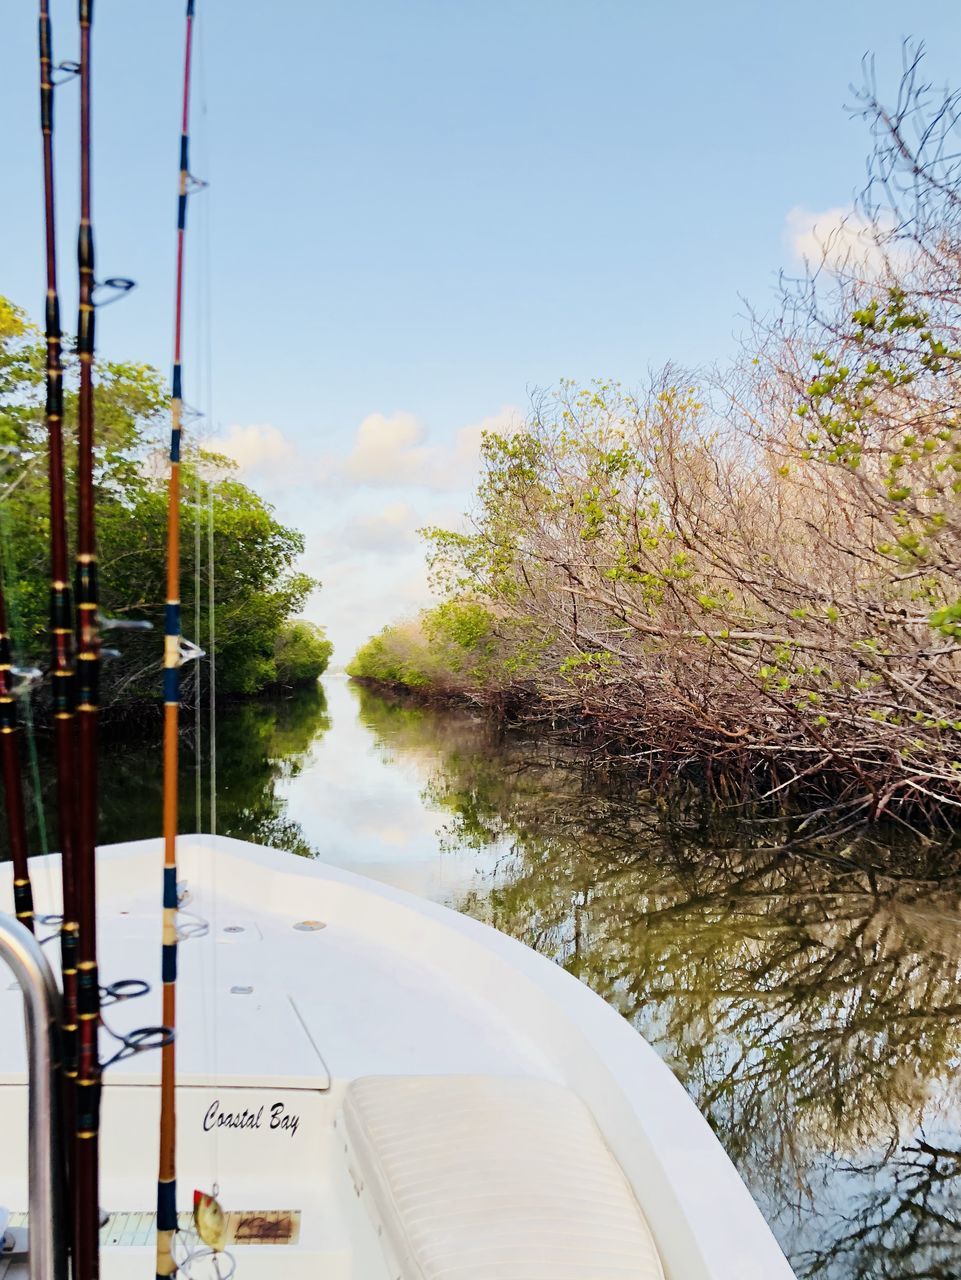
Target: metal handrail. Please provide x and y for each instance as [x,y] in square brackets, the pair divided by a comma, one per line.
[41,1001]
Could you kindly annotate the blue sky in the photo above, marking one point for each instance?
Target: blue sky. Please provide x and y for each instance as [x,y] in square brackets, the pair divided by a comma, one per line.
[419,212]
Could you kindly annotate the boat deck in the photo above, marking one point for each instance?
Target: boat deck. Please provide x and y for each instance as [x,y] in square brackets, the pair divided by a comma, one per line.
[308,979]
[275,1017]
[262,1001]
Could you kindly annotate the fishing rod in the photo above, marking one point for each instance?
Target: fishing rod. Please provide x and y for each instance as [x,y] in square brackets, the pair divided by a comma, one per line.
[173,657]
[86,1169]
[61,619]
[12,777]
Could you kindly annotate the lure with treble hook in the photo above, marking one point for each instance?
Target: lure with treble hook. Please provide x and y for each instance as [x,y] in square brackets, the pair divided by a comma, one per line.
[210,1221]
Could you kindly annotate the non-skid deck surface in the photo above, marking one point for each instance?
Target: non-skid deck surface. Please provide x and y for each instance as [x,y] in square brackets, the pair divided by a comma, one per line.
[248,1226]
[263,1002]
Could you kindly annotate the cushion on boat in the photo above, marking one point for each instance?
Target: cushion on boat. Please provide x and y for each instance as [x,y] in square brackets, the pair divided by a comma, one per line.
[488,1178]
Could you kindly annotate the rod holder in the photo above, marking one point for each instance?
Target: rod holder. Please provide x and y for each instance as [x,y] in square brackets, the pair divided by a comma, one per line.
[20,951]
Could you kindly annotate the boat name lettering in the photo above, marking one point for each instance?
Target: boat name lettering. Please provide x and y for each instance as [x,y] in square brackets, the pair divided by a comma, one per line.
[277,1116]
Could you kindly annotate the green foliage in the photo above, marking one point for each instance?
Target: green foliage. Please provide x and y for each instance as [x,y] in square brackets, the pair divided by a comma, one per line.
[257,587]
[381,659]
[632,564]
[588,666]
[948,620]
[853,411]
[463,623]
[301,653]
[452,646]
[763,580]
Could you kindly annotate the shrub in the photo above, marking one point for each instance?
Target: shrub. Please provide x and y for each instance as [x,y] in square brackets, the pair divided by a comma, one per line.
[301,652]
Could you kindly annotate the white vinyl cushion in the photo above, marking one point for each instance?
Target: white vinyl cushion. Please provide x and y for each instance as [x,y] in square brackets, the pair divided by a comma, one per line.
[488,1178]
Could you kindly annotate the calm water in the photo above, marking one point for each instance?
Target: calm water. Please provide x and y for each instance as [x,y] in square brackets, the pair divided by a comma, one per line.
[813,1013]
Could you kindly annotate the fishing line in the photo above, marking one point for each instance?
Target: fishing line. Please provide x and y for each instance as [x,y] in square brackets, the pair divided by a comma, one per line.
[175,653]
[189,1256]
[61,613]
[17,633]
[198,715]
[141,1040]
[202,434]
[30,678]
[11,735]
[86,1166]
[206,298]
[212,625]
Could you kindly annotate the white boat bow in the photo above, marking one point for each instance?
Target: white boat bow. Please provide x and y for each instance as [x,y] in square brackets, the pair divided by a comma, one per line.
[384,1089]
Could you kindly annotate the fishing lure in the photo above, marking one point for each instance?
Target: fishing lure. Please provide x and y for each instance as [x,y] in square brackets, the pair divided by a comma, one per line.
[210,1221]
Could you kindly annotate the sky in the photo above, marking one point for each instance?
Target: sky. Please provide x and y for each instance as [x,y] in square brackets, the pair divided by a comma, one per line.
[418,213]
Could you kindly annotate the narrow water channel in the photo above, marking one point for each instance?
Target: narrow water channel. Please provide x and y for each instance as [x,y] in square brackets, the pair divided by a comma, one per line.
[811,1011]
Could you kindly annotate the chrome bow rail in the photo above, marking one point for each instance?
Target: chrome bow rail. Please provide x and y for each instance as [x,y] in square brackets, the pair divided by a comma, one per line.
[21,952]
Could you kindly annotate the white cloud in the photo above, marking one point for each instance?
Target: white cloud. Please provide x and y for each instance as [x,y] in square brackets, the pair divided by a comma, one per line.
[392,450]
[388,451]
[360,503]
[365,591]
[838,238]
[388,531]
[260,450]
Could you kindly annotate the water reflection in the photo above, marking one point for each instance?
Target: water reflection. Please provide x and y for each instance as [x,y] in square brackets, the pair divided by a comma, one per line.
[361,802]
[812,1011]
[261,747]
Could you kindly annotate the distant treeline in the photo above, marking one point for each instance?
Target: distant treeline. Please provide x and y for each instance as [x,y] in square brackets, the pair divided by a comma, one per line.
[258,591]
[755,575]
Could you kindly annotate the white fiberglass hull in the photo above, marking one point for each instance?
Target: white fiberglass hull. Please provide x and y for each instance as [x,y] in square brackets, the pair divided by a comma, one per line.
[274,1024]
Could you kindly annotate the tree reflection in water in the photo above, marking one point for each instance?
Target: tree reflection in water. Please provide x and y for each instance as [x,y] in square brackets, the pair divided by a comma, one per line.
[812,1010]
[260,744]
